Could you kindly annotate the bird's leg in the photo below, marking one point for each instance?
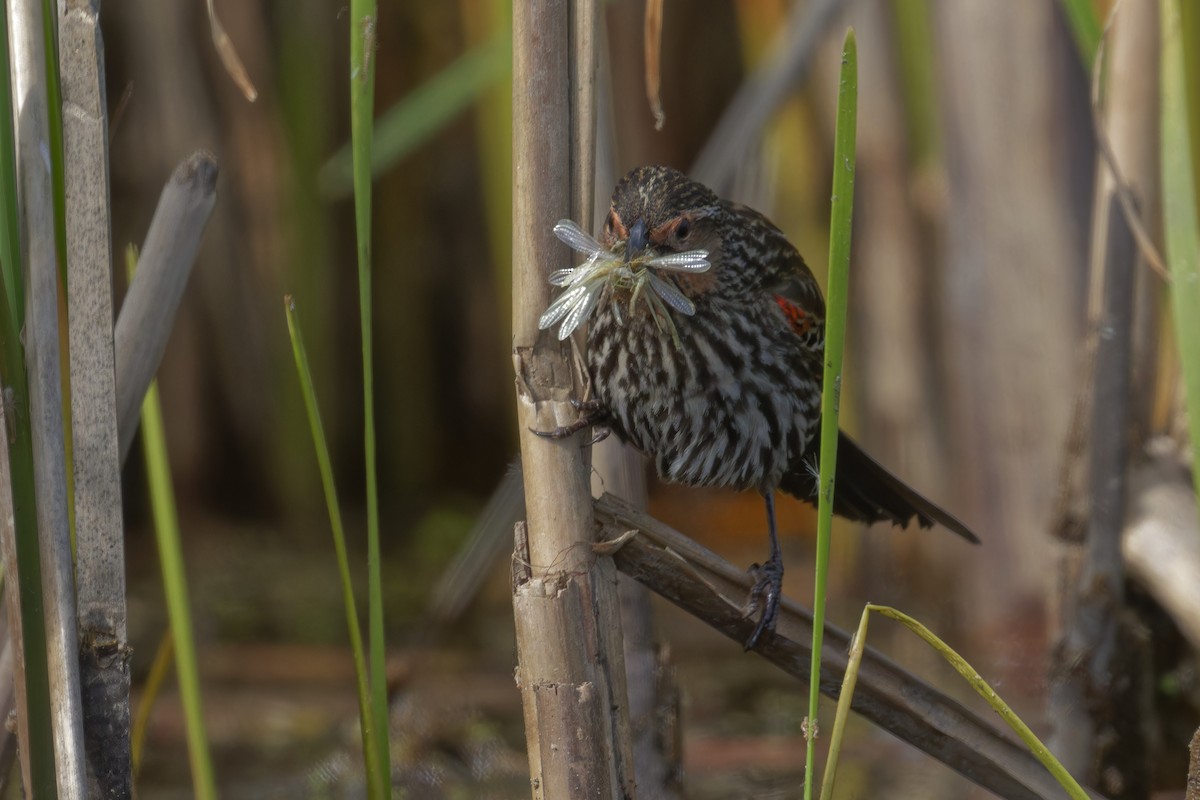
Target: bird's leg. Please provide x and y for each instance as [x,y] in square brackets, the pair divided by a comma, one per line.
[768,581]
[591,412]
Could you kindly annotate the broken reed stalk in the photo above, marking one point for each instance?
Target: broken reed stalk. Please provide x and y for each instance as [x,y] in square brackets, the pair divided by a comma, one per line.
[164,265]
[571,672]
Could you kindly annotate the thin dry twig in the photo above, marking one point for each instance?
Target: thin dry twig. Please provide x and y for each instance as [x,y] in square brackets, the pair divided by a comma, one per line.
[1145,241]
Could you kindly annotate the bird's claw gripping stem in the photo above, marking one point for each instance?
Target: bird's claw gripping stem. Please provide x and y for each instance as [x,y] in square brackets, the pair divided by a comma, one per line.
[765,594]
[591,413]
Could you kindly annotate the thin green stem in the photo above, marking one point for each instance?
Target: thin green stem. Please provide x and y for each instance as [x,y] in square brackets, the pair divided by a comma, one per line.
[985,691]
[170,554]
[849,681]
[325,465]
[841,217]
[362,106]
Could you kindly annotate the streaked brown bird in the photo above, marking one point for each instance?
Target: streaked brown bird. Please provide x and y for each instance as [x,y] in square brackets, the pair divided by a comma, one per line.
[705,350]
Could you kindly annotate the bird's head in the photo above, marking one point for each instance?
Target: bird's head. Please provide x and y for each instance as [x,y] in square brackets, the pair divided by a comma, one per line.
[658,246]
[673,242]
[658,210]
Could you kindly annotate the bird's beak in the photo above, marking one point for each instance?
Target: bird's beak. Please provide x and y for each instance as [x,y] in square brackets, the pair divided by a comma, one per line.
[636,242]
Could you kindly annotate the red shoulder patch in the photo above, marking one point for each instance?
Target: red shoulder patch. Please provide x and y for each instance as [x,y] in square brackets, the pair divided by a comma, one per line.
[799,319]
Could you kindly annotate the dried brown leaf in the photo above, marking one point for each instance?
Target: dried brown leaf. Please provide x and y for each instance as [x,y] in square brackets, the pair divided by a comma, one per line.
[653,49]
[229,57]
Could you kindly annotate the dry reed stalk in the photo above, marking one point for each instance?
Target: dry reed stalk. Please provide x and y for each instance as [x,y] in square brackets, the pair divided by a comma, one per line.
[571,671]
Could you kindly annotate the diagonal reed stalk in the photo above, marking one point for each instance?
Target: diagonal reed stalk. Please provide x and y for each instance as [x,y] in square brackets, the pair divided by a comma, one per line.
[425,111]
[367,720]
[841,216]
[362,107]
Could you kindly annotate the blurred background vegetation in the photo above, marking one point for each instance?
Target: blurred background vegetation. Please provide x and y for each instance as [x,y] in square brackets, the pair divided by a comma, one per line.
[969,285]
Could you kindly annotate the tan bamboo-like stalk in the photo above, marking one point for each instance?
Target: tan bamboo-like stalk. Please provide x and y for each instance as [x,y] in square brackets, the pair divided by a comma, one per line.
[571,671]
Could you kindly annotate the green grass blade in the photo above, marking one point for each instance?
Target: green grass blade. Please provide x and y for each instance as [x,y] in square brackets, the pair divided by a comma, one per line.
[325,465]
[1085,28]
[840,219]
[170,554]
[426,110]
[1179,213]
[362,109]
[15,380]
[849,681]
[985,691]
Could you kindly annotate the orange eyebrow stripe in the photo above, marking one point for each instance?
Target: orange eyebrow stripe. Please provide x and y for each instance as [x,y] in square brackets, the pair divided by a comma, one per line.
[797,317]
[619,229]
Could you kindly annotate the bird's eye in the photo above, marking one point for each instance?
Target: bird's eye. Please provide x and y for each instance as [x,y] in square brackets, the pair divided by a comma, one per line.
[608,224]
[683,229]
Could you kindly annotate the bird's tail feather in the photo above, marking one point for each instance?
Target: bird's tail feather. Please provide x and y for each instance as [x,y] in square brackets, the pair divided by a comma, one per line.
[866,492]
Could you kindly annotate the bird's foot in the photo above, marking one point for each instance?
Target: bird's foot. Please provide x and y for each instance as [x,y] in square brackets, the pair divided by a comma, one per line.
[591,412]
[764,595]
